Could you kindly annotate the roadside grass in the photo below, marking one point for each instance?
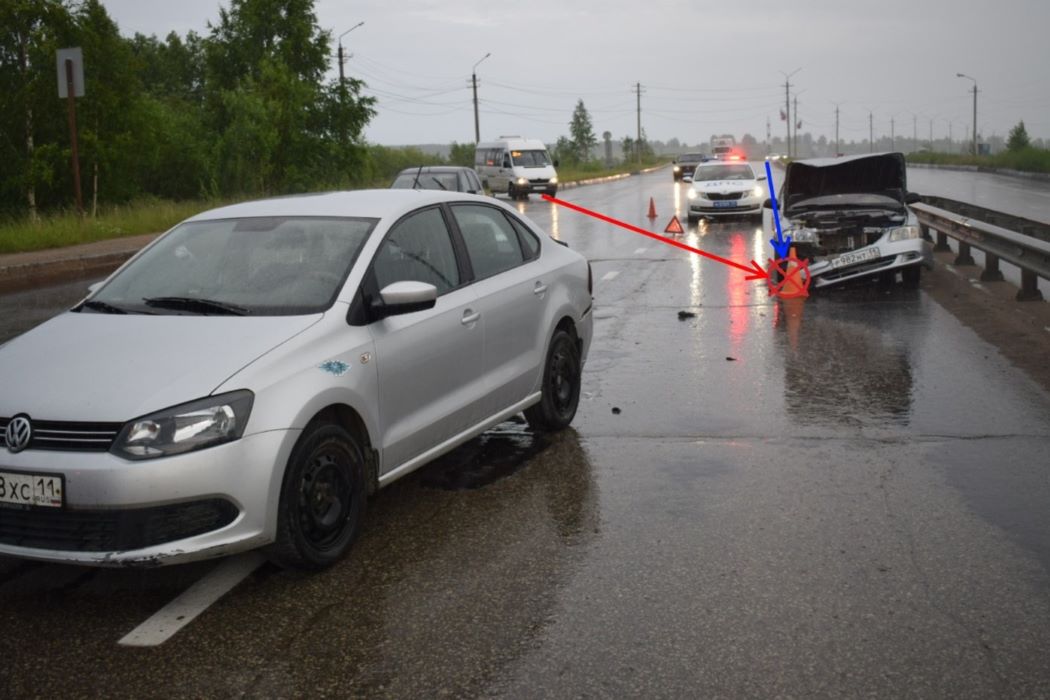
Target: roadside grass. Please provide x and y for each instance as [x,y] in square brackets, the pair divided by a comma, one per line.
[1029,159]
[151,215]
[62,229]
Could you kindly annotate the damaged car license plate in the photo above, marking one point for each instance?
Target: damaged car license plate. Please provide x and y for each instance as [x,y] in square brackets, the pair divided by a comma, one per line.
[31,489]
[855,257]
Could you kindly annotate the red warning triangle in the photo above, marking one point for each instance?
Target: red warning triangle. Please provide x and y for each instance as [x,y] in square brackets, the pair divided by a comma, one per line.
[674,226]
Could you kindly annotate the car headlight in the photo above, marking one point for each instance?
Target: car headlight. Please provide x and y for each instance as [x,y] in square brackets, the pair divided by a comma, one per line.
[691,194]
[802,235]
[187,427]
[523,181]
[554,180]
[758,191]
[677,169]
[903,233]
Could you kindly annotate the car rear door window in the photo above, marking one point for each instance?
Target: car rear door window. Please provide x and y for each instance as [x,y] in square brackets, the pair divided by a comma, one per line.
[491,242]
[418,248]
[529,243]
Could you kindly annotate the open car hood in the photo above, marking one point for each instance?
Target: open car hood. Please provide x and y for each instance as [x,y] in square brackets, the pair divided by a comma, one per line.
[882,174]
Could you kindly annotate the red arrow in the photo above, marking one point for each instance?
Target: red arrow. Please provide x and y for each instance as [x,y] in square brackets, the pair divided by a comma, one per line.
[755,271]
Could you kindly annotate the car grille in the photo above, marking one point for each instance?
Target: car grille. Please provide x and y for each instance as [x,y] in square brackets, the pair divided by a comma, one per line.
[539,181]
[112,530]
[67,435]
[717,196]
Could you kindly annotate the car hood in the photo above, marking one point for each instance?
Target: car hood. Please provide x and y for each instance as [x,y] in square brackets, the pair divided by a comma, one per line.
[111,368]
[881,174]
[723,185]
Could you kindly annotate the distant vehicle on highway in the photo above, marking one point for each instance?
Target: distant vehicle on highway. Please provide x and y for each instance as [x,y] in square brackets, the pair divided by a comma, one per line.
[685,164]
[251,376]
[516,167]
[451,178]
[722,147]
[849,217]
[725,189]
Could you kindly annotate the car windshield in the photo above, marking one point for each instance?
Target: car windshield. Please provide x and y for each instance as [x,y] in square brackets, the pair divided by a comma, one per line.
[426,181]
[267,266]
[531,159]
[735,171]
[690,158]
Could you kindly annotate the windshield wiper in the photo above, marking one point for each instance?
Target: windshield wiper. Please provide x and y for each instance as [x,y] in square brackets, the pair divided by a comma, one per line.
[194,304]
[438,183]
[102,307]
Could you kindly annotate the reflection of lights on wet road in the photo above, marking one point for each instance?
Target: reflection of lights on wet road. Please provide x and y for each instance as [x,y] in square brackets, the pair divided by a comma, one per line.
[554,221]
[678,199]
[520,206]
[693,240]
[737,291]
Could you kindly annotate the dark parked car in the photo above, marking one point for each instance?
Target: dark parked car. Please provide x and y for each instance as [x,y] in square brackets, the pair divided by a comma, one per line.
[685,164]
[439,177]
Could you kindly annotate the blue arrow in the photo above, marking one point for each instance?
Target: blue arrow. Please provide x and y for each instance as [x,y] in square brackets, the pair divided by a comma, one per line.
[780,244]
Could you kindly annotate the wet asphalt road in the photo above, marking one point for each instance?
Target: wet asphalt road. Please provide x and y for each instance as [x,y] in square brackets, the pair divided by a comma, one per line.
[847,499]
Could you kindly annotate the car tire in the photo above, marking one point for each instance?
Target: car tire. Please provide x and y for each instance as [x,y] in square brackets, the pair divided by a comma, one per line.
[512,193]
[561,385]
[691,218]
[323,500]
[910,276]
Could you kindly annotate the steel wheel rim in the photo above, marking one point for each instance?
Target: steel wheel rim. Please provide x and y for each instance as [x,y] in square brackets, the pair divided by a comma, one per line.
[562,381]
[325,498]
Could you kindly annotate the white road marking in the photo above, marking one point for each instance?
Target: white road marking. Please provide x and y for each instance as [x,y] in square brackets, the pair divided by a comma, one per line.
[639,251]
[611,274]
[193,601]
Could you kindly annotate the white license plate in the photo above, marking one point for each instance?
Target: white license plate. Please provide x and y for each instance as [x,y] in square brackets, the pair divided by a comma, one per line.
[31,489]
[725,203]
[854,258]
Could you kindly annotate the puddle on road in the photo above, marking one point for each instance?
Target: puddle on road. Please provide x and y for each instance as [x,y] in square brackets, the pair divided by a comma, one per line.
[493,455]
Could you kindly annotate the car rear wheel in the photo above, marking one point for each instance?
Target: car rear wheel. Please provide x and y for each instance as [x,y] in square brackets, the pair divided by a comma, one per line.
[322,499]
[561,385]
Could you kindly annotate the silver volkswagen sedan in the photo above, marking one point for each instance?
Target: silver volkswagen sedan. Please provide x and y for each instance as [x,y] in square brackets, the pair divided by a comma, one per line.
[250,377]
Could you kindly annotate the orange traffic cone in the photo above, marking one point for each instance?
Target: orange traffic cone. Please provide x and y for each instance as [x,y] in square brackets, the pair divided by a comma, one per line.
[652,209]
[795,285]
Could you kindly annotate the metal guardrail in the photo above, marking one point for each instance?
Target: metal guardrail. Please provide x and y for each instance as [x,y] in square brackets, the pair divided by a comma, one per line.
[1029,250]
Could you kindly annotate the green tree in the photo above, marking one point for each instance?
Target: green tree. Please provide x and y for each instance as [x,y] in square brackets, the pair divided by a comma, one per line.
[1018,139]
[581,133]
[461,154]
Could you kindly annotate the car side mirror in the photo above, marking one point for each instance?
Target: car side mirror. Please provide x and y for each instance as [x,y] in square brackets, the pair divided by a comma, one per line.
[912,198]
[555,162]
[404,298]
[761,178]
[768,204]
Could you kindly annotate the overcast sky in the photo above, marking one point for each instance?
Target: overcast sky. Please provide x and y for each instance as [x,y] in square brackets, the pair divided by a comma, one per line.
[704,67]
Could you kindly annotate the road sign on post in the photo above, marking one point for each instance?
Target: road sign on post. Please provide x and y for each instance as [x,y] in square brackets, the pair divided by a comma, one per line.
[70,65]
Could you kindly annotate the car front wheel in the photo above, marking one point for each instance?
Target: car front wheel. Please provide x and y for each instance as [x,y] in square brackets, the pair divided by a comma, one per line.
[561,385]
[322,499]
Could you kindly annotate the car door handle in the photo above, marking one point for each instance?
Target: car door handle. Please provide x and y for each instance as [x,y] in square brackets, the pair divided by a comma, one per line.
[470,317]
[539,289]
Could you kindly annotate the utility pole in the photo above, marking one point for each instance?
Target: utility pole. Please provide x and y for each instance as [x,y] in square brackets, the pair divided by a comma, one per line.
[871,132]
[787,104]
[474,82]
[838,147]
[963,75]
[796,127]
[638,142]
[769,138]
[341,59]
[342,83]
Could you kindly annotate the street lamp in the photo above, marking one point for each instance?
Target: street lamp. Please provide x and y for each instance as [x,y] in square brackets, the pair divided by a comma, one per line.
[474,80]
[340,40]
[963,75]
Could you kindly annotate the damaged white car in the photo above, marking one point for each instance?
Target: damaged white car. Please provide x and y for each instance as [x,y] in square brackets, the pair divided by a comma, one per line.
[849,217]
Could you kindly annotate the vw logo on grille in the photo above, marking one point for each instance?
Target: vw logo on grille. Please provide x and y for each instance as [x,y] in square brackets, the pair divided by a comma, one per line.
[19,432]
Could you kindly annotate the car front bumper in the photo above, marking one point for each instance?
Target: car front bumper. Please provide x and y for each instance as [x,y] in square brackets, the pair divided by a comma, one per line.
[745,206]
[198,505]
[890,258]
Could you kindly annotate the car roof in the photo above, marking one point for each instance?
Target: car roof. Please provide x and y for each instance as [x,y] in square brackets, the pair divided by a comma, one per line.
[383,203]
[434,169]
